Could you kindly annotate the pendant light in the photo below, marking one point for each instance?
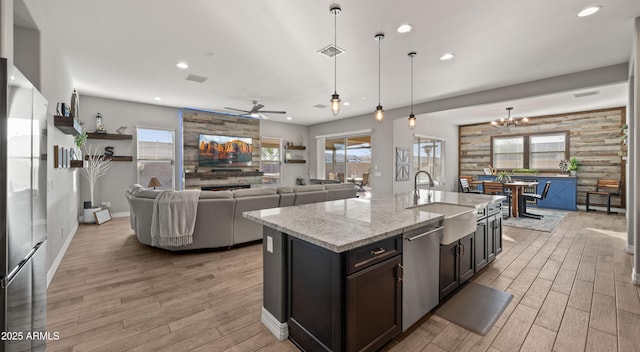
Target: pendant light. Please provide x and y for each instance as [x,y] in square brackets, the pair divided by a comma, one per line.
[412,117]
[335,97]
[379,110]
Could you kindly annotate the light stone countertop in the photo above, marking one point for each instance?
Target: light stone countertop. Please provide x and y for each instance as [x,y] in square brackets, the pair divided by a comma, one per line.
[341,225]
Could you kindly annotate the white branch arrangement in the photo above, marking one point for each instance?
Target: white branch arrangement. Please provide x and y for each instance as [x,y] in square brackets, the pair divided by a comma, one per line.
[97,166]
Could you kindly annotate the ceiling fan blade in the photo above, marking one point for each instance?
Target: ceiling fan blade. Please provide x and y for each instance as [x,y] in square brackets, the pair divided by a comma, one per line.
[245,111]
[274,112]
[257,107]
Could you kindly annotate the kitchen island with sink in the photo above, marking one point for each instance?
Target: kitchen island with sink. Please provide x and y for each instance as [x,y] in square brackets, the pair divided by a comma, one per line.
[349,275]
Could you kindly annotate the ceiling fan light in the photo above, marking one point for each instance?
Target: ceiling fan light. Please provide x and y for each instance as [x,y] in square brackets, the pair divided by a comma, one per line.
[412,121]
[379,113]
[335,104]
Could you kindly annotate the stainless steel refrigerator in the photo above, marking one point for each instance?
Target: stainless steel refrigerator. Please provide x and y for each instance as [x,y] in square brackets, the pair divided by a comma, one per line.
[23,213]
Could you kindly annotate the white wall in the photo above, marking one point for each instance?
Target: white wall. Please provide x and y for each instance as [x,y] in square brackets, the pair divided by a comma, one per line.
[403,138]
[27,54]
[116,113]
[294,133]
[56,85]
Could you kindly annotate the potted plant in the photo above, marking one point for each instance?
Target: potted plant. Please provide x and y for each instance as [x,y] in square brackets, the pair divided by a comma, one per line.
[503,176]
[574,165]
[299,181]
[97,166]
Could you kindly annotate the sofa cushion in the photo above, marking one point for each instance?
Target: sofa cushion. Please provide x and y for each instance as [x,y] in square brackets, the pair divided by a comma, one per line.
[284,189]
[133,189]
[216,194]
[252,192]
[309,188]
[147,193]
[339,186]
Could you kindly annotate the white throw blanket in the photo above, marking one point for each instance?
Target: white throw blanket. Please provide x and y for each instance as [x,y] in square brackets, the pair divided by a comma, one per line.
[174,218]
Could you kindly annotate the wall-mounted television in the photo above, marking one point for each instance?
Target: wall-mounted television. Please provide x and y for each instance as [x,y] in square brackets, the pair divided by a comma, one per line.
[216,150]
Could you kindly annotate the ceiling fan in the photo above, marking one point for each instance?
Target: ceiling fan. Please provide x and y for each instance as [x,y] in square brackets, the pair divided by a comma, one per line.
[255,111]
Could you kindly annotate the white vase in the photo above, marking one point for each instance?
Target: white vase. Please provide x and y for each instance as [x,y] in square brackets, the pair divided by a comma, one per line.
[88,217]
[572,173]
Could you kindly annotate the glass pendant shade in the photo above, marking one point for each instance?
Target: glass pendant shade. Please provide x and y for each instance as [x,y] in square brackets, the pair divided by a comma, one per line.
[412,121]
[335,104]
[379,113]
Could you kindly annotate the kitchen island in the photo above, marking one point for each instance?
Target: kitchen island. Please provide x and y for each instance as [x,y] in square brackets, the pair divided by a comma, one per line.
[333,271]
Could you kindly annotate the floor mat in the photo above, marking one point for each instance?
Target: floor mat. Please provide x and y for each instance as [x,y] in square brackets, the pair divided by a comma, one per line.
[551,220]
[475,307]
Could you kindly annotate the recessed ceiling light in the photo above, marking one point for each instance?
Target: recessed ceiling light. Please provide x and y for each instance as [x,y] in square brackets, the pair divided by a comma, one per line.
[157,99]
[346,103]
[447,56]
[363,97]
[404,28]
[588,11]
[289,118]
[182,65]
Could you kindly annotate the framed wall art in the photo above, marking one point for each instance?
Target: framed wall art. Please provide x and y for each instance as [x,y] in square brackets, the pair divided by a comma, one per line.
[402,164]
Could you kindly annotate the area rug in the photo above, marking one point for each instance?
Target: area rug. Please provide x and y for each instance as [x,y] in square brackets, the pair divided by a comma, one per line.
[551,220]
[475,307]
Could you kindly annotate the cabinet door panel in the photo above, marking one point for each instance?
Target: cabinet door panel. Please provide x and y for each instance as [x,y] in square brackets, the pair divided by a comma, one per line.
[481,244]
[374,305]
[466,258]
[497,234]
[448,269]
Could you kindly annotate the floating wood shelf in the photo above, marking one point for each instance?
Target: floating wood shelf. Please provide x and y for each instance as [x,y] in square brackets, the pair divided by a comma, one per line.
[114,158]
[295,147]
[110,136]
[76,163]
[295,161]
[68,125]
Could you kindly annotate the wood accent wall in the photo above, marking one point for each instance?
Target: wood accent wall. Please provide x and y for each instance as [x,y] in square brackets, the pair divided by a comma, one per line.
[195,123]
[594,140]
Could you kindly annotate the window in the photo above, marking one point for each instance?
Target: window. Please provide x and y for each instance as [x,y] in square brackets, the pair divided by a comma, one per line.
[534,151]
[271,160]
[428,155]
[508,153]
[156,157]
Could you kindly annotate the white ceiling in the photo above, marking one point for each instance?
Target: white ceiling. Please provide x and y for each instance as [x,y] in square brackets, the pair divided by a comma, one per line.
[267,50]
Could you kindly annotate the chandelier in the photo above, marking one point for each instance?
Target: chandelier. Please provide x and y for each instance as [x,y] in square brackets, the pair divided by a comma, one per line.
[509,121]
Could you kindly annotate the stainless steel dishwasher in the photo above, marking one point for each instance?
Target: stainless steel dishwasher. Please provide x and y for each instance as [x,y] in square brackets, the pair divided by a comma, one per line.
[420,260]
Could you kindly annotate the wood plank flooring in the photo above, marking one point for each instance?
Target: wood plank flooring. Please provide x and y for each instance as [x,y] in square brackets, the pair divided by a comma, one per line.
[572,292]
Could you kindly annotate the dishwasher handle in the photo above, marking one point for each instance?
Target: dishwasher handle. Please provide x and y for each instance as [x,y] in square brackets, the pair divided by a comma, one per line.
[424,234]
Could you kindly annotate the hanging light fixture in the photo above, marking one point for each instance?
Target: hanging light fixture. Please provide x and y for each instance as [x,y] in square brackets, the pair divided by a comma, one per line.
[379,110]
[412,117]
[335,97]
[509,121]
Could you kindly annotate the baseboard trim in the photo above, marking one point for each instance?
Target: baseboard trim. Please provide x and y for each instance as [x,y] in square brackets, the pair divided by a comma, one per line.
[122,214]
[630,248]
[278,329]
[635,277]
[63,250]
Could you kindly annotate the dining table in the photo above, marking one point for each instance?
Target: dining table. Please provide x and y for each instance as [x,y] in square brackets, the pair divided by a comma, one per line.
[516,188]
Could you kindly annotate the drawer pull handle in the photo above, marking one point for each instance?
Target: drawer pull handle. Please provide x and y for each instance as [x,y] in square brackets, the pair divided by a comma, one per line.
[379,251]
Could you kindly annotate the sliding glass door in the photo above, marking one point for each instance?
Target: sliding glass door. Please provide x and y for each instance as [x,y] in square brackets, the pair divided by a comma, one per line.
[348,159]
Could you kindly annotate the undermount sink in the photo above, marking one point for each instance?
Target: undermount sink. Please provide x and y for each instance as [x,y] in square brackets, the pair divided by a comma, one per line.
[459,220]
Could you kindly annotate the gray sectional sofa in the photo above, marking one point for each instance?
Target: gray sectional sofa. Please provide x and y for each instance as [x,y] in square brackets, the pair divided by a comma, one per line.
[219,220]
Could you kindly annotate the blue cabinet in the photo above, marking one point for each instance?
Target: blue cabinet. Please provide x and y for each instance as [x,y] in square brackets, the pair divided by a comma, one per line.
[562,193]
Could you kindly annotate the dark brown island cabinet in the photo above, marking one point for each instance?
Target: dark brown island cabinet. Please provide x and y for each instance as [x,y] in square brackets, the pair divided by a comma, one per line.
[460,260]
[349,301]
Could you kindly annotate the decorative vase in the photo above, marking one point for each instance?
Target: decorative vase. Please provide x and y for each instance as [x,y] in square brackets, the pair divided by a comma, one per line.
[572,172]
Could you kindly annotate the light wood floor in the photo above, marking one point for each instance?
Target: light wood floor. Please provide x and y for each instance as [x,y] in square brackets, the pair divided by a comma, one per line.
[572,292]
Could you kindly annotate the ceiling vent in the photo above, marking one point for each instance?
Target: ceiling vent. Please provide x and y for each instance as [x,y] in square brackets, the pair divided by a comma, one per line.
[586,94]
[331,51]
[319,106]
[196,78]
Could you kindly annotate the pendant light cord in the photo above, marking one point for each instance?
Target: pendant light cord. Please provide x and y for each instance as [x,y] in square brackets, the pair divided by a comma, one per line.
[379,84]
[335,57]
[412,84]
